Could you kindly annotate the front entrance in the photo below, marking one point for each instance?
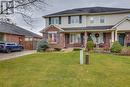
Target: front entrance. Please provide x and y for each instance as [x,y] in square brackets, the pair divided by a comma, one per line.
[121,38]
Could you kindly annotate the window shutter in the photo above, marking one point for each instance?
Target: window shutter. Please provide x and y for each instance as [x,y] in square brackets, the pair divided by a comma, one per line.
[69,19]
[80,19]
[59,20]
[49,20]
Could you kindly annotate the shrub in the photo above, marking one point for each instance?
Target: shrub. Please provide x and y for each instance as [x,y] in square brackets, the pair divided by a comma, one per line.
[125,51]
[90,45]
[76,49]
[116,47]
[42,45]
[57,49]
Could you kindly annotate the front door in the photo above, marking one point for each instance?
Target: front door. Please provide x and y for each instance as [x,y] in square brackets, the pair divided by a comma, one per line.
[121,38]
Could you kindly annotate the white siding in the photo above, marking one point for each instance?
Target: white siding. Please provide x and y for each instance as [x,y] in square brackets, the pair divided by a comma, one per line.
[109,20]
[124,26]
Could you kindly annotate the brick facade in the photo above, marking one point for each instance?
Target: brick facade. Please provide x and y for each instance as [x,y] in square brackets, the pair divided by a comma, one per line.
[15,38]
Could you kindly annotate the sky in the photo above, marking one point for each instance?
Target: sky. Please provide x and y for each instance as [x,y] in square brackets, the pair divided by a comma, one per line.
[60,5]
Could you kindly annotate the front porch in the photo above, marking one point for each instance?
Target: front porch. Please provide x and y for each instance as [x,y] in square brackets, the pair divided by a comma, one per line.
[79,39]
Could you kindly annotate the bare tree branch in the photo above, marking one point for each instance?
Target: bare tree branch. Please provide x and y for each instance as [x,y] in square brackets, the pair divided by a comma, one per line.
[26,8]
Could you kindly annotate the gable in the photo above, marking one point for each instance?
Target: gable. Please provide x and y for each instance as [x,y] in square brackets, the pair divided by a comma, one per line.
[124,26]
[51,28]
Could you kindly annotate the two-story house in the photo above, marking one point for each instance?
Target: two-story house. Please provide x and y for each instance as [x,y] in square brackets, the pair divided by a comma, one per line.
[71,28]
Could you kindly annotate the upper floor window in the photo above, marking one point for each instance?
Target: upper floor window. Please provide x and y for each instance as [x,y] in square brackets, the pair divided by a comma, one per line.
[75,19]
[128,15]
[55,20]
[102,19]
[92,19]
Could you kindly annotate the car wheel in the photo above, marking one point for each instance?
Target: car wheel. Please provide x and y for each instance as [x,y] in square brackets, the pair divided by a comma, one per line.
[8,51]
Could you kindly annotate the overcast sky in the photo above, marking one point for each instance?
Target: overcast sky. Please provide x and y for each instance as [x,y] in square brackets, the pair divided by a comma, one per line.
[59,5]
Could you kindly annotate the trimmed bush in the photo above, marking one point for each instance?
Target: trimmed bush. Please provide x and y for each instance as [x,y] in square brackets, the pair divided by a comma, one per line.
[76,49]
[116,47]
[90,45]
[57,49]
[42,45]
[125,51]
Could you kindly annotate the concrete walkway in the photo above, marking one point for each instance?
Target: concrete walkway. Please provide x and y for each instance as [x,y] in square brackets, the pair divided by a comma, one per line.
[6,56]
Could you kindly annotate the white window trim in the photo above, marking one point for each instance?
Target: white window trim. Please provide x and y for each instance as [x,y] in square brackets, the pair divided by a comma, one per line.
[55,20]
[74,20]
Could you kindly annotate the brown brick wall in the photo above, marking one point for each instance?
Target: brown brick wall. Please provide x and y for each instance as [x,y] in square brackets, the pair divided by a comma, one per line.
[14,38]
[127,38]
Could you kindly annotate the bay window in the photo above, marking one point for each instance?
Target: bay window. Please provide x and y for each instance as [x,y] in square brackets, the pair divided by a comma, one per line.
[75,38]
[52,37]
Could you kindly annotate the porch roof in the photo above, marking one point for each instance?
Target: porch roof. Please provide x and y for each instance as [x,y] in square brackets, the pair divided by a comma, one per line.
[88,28]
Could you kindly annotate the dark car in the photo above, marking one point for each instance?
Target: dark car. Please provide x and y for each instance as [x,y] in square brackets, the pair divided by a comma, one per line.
[10,47]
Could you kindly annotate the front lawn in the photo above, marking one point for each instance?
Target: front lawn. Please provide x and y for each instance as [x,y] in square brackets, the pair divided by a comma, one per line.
[63,70]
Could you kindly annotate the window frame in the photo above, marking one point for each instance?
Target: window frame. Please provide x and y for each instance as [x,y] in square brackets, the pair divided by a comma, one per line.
[75,38]
[54,39]
[74,19]
[100,19]
[92,20]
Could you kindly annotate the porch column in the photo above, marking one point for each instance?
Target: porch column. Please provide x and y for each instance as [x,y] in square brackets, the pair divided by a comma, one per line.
[62,40]
[116,39]
[112,36]
[85,37]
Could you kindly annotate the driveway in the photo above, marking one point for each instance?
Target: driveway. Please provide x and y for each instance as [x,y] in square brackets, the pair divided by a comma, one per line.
[5,56]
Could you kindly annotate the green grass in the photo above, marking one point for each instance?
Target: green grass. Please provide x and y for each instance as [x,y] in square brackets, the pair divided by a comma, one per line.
[64,70]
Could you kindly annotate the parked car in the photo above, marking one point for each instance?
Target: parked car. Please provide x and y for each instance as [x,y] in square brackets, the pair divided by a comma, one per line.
[10,47]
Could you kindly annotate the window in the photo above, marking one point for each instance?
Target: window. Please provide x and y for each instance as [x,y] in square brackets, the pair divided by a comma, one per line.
[75,38]
[52,37]
[75,19]
[55,20]
[1,37]
[128,15]
[92,20]
[102,19]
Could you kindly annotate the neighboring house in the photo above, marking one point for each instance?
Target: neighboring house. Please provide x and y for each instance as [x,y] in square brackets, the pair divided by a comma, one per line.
[71,28]
[13,33]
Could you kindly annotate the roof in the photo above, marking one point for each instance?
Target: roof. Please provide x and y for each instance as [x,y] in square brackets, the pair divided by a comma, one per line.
[89,10]
[88,28]
[13,29]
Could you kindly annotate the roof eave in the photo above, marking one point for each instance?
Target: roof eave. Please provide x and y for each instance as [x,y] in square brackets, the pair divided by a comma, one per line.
[102,13]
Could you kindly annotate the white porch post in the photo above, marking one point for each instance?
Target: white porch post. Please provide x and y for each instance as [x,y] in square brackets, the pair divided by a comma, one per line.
[112,36]
[85,39]
[116,39]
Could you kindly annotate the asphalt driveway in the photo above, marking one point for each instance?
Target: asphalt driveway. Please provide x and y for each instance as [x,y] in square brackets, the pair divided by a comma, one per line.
[6,56]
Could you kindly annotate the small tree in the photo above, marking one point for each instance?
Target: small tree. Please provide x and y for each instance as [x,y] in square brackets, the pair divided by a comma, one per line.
[116,47]
[42,45]
[90,44]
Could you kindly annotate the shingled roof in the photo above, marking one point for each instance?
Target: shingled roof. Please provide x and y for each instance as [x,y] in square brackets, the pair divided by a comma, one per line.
[13,29]
[88,28]
[89,10]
